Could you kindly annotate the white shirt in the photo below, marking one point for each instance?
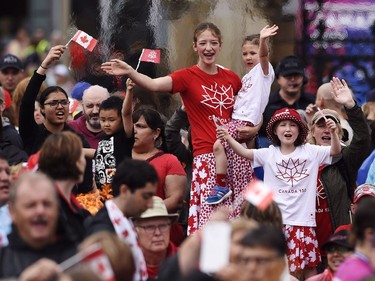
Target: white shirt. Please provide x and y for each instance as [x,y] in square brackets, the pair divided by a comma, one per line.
[293,179]
[253,97]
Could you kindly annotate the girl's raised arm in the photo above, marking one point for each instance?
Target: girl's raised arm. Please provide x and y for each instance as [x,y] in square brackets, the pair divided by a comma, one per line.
[118,67]
[222,133]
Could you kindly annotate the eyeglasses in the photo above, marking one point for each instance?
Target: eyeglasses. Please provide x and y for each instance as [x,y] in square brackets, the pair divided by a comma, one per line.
[259,261]
[55,103]
[150,229]
[337,249]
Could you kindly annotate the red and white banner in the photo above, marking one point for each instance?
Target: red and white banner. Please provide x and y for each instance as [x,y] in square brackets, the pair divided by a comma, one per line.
[98,261]
[259,194]
[149,55]
[86,41]
[95,258]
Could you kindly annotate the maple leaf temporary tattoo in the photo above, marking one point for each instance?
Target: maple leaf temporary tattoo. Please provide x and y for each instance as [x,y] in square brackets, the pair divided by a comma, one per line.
[291,171]
[218,97]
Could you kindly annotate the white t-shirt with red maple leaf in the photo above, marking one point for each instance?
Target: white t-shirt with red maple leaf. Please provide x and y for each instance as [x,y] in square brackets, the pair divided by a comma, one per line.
[292,178]
[253,97]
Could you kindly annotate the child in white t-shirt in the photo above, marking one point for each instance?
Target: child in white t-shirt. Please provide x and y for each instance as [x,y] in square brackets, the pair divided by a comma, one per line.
[249,105]
[290,169]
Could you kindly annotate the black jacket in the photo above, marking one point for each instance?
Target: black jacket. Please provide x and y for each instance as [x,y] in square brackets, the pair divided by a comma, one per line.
[34,135]
[18,255]
[11,143]
[339,178]
[99,222]
[276,102]
[71,219]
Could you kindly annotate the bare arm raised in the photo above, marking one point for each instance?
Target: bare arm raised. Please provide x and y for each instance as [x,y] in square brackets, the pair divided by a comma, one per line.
[222,133]
[265,33]
[118,67]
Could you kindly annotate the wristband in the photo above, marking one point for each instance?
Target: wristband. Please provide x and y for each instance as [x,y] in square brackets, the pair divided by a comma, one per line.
[43,67]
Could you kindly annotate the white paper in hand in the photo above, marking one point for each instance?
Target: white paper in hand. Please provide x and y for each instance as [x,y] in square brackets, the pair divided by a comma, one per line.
[215,246]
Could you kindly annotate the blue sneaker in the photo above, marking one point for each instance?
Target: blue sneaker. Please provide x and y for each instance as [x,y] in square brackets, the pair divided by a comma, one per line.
[218,195]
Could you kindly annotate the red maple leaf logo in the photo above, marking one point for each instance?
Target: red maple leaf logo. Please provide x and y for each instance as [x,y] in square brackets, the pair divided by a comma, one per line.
[84,39]
[291,170]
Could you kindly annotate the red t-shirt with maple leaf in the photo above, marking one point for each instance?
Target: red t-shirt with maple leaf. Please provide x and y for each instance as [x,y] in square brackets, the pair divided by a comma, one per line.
[324,228]
[205,95]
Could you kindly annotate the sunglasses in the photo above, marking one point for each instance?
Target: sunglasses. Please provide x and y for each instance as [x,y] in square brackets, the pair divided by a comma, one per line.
[338,249]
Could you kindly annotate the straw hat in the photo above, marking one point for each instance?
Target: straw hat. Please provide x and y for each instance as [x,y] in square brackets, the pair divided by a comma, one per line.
[158,210]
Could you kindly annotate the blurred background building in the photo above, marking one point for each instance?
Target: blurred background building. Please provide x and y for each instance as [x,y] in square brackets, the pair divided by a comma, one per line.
[334,37]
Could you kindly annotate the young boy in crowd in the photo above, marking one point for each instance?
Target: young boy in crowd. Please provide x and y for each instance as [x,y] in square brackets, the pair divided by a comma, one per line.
[114,145]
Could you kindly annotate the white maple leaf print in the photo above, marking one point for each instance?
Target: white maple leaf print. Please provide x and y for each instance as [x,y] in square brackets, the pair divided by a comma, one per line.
[320,193]
[202,174]
[291,171]
[218,97]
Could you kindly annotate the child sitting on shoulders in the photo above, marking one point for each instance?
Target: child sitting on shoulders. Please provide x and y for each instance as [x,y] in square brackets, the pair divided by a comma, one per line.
[249,105]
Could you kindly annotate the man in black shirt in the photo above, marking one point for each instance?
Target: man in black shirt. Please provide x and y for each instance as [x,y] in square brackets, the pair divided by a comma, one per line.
[291,78]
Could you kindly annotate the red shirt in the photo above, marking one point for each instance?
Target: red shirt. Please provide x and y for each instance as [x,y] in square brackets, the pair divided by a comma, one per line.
[324,227]
[205,95]
[154,270]
[166,164]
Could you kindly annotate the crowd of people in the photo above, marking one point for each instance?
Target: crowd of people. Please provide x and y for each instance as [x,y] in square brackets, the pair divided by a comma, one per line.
[100,185]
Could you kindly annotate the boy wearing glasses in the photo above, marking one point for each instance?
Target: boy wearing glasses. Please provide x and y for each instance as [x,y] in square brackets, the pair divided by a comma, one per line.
[153,228]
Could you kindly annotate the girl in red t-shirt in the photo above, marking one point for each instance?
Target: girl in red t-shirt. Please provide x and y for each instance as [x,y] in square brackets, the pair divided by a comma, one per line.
[207,90]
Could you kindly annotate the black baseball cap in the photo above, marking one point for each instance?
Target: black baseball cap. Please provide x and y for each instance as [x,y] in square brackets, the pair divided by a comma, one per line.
[290,65]
[10,61]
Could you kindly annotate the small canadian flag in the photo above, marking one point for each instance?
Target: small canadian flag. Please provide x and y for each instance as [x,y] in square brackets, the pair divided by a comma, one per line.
[259,194]
[86,41]
[149,55]
[98,261]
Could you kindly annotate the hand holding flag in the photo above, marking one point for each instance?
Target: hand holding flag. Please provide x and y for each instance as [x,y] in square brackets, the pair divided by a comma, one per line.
[86,41]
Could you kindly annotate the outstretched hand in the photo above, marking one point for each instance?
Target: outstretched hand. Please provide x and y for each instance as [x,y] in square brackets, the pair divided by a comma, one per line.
[116,67]
[341,92]
[269,31]
[310,110]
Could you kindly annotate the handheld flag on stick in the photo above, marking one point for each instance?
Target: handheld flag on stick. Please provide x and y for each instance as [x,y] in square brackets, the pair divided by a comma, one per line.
[86,41]
[149,55]
[258,194]
[321,113]
[95,258]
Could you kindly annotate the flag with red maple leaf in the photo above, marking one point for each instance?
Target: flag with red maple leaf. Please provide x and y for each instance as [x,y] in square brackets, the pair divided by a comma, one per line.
[86,41]
[259,194]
